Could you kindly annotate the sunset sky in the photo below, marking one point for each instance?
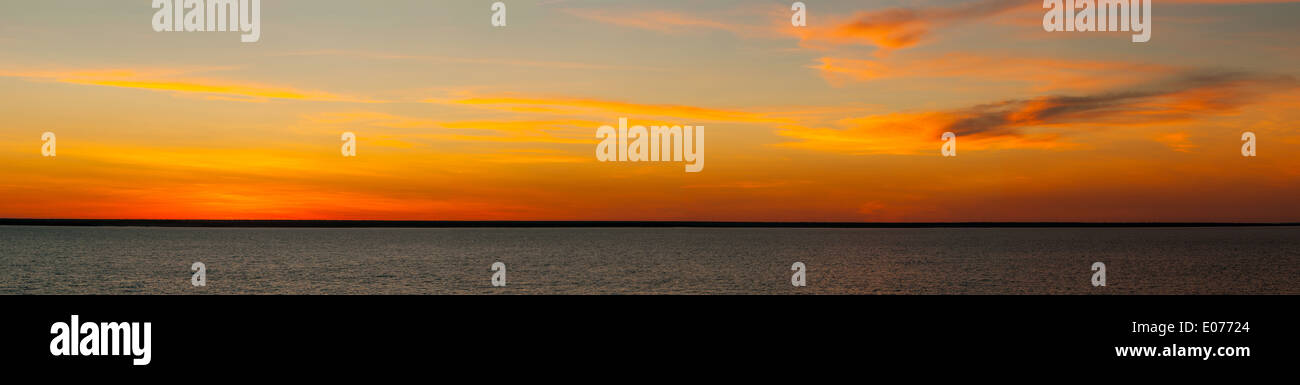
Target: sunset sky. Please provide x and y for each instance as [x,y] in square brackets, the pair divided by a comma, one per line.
[837,121]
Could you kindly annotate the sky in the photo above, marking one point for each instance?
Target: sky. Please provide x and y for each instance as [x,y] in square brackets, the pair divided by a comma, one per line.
[839,120]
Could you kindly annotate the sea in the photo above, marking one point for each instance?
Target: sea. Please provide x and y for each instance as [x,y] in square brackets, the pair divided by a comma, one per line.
[620,260]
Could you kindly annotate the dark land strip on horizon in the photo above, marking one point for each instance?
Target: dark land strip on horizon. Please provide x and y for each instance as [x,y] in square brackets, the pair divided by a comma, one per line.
[719,224]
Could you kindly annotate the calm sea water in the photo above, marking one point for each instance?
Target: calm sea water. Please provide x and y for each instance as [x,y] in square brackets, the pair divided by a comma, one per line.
[126,260]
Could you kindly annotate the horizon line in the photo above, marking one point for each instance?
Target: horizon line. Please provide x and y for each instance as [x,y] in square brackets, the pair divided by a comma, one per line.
[330,223]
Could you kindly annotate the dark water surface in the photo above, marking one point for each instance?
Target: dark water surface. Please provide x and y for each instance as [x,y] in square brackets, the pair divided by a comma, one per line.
[154,260]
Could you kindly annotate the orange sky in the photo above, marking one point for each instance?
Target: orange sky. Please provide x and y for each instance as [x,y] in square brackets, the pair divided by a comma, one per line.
[837,121]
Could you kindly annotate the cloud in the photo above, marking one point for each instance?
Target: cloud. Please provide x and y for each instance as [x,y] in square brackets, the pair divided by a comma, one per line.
[367,55]
[1177,141]
[1042,122]
[181,81]
[1229,1]
[1044,73]
[590,107]
[744,185]
[405,132]
[667,22]
[896,28]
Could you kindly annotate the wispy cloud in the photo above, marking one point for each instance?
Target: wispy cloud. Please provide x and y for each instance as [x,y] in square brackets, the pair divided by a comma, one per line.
[514,62]
[1021,123]
[1042,72]
[182,81]
[1177,141]
[1230,1]
[587,107]
[390,130]
[667,22]
[896,28]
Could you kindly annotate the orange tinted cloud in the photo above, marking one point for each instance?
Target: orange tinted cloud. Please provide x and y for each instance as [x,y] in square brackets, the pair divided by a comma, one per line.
[1039,122]
[180,81]
[1043,73]
[909,134]
[578,106]
[662,21]
[896,28]
[390,130]
[1229,1]
[511,62]
[1177,141]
